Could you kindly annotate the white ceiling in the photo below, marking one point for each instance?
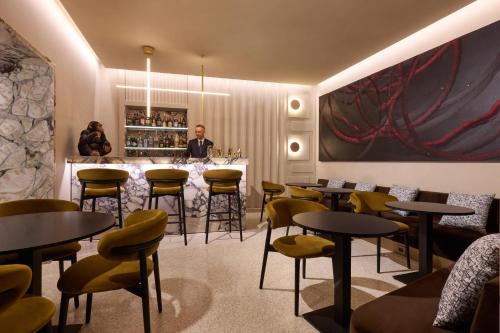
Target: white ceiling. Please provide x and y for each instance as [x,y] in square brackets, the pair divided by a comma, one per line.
[292,41]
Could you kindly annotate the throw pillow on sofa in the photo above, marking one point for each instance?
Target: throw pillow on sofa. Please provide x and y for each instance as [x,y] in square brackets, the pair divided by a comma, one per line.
[460,295]
[480,203]
[366,187]
[335,183]
[403,193]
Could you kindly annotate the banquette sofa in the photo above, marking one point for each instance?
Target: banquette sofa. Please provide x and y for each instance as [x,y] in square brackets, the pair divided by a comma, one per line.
[449,242]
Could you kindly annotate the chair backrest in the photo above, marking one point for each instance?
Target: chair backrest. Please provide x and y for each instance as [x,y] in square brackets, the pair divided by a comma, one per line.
[280,212]
[102,177]
[143,231]
[222,177]
[304,193]
[272,187]
[370,202]
[14,282]
[29,206]
[165,177]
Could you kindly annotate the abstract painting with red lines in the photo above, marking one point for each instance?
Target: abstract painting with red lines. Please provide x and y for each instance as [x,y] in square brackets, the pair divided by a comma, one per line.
[441,105]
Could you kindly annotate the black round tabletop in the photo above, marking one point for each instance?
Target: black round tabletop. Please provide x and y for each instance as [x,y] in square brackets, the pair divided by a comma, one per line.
[335,190]
[347,224]
[429,207]
[304,184]
[33,231]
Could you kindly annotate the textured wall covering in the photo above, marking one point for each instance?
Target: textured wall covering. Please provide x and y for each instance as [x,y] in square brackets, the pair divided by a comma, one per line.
[441,105]
[26,120]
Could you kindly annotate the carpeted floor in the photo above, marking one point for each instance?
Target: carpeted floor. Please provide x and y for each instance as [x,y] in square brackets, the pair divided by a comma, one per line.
[214,287]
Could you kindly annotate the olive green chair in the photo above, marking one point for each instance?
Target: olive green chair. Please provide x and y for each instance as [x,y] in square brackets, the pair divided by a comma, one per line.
[305,194]
[121,263]
[271,192]
[61,253]
[102,183]
[22,314]
[374,203]
[223,182]
[169,182]
[279,215]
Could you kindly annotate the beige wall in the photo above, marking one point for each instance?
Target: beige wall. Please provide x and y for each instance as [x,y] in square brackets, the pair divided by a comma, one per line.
[76,70]
[461,177]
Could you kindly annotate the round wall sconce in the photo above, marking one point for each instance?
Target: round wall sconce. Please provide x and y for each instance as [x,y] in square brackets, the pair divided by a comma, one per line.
[295,105]
[294,147]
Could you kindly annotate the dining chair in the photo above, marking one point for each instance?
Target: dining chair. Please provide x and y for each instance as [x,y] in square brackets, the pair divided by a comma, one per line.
[271,192]
[21,314]
[279,215]
[121,263]
[374,203]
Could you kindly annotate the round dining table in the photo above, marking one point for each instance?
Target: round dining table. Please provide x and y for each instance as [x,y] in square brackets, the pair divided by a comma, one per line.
[335,194]
[304,185]
[426,212]
[28,234]
[341,227]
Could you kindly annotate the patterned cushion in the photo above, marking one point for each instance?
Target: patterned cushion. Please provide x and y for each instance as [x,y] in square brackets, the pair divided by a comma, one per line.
[367,187]
[335,183]
[403,193]
[460,295]
[480,203]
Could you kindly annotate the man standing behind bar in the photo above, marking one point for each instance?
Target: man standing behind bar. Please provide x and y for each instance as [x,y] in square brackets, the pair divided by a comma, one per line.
[197,148]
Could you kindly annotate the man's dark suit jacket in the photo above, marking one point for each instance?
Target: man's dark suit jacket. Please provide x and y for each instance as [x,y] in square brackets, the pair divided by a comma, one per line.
[193,150]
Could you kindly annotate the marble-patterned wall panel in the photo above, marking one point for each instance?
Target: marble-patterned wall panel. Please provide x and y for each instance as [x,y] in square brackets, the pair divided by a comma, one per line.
[137,189]
[26,120]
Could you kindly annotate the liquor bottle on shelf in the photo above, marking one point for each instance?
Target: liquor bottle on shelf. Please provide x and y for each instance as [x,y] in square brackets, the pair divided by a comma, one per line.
[142,120]
[128,141]
[164,121]
[171,141]
[176,140]
[148,121]
[158,120]
[133,142]
[139,141]
[150,141]
[145,141]
[161,143]
[175,121]
[169,120]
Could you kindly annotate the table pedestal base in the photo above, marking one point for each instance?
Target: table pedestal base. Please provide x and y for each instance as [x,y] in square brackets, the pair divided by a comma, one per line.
[323,320]
[408,277]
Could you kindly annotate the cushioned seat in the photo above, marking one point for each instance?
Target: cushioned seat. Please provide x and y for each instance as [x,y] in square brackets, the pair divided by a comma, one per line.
[305,194]
[403,227]
[18,314]
[301,246]
[224,189]
[102,191]
[166,189]
[95,274]
[450,242]
[60,251]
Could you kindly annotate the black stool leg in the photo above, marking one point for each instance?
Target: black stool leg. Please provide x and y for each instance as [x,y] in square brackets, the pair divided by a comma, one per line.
[297,285]
[266,252]
[180,213]
[61,267]
[263,204]
[156,269]
[208,216]
[119,197]
[76,298]
[407,247]
[156,202]
[63,312]
[379,245]
[238,199]
[145,292]
[88,308]
[184,217]
[230,217]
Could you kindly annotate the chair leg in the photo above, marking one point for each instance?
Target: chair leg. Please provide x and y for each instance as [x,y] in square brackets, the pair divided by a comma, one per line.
[229,212]
[76,298]
[61,267]
[379,245]
[156,269]
[88,308]
[150,201]
[304,268]
[266,252]
[145,292]
[180,214]
[93,204]
[63,312]
[184,219]
[238,199]
[263,205]
[120,217]
[287,230]
[208,217]
[156,203]
[297,285]
[407,247]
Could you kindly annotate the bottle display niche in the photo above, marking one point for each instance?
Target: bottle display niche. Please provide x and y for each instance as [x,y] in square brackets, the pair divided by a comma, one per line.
[162,134]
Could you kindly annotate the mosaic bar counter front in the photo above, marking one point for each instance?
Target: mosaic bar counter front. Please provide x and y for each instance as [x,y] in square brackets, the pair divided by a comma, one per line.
[136,192]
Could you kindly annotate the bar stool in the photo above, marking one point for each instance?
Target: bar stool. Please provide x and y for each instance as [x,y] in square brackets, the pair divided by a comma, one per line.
[223,182]
[169,182]
[102,183]
[271,191]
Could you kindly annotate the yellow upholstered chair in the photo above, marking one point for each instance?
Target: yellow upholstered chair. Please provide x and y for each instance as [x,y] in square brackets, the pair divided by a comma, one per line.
[60,253]
[279,215]
[121,263]
[102,183]
[223,182]
[271,192]
[169,182]
[374,203]
[18,314]
[305,194]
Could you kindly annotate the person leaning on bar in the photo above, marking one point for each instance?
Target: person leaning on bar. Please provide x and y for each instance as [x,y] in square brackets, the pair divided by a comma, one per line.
[197,148]
[93,141]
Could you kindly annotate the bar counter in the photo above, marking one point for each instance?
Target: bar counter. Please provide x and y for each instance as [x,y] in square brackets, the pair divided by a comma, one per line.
[137,188]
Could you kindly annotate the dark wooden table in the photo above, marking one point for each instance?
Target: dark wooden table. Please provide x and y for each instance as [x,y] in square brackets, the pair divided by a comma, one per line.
[341,226]
[304,185]
[334,194]
[425,211]
[28,234]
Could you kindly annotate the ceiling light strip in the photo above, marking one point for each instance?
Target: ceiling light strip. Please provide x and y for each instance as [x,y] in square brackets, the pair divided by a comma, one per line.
[148,87]
[196,92]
